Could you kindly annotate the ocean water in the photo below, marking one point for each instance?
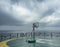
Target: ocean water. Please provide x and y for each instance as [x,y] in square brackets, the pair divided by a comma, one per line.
[40,42]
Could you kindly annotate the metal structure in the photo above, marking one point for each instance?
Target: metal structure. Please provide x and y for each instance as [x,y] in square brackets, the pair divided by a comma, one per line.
[35,25]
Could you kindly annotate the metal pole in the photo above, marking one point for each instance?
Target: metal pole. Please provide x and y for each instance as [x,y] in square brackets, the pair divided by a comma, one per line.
[44,35]
[51,35]
[33,33]
[17,35]
[10,35]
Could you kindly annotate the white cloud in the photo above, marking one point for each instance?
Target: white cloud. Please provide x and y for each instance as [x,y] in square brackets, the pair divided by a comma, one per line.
[50,19]
[22,13]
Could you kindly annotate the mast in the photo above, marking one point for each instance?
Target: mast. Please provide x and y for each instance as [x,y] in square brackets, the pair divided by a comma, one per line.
[35,25]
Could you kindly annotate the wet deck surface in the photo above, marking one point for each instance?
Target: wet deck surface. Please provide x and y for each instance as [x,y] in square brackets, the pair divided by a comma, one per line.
[40,43]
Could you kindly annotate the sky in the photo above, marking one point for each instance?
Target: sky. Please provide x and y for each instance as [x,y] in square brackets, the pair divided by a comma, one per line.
[25,12]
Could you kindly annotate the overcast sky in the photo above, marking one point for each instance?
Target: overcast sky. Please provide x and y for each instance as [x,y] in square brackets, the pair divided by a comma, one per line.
[25,12]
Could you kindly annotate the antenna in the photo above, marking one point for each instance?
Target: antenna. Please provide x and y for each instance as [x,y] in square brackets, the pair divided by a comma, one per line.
[35,25]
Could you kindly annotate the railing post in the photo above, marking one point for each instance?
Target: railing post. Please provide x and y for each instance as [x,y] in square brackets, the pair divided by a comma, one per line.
[51,35]
[17,35]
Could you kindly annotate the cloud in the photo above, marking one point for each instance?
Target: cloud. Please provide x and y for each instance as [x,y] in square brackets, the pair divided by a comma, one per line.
[45,11]
[6,19]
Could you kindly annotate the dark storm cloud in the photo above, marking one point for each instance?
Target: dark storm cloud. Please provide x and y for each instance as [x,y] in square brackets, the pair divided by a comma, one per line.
[14,1]
[40,0]
[47,13]
[40,8]
[5,19]
[54,24]
[17,1]
[43,24]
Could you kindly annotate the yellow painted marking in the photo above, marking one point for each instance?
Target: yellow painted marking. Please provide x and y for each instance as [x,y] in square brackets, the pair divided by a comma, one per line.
[4,43]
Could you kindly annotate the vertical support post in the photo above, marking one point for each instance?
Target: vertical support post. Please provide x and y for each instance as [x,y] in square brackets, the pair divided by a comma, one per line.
[33,33]
[51,35]
[44,35]
[17,35]
[1,37]
[10,35]
[33,36]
